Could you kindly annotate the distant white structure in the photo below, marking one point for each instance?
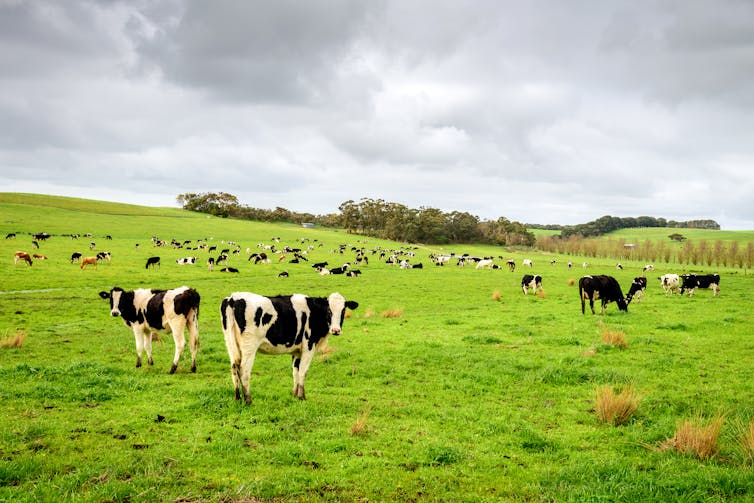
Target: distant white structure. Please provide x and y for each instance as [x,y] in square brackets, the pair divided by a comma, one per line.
[307,225]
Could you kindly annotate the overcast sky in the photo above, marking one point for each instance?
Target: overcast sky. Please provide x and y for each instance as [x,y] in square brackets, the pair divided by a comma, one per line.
[539,111]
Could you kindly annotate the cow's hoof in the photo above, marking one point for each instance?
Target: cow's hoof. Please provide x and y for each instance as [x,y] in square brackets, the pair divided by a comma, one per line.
[173,368]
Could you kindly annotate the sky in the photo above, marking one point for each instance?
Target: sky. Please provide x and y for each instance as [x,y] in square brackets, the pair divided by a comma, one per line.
[539,111]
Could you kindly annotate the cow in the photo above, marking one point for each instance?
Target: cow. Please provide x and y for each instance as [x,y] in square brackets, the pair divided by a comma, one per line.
[531,281]
[484,263]
[10,235]
[604,288]
[511,264]
[527,261]
[619,266]
[153,261]
[693,281]
[186,260]
[147,311]
[104,255]
[85,261]
[75,257]
[670,283]
[22,255]
[228,269]
[637,288]
[648,267]
[294,324]
[283,274]
[39,256]
[211,263]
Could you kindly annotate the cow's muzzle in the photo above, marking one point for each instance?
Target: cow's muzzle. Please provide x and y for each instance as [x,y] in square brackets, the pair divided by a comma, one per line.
[114,313]
[335,330]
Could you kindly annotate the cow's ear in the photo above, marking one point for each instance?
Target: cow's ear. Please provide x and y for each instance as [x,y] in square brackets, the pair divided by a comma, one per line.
[104,295]
[352,304]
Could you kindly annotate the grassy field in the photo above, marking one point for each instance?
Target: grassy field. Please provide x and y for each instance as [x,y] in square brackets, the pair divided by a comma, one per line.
[447,384]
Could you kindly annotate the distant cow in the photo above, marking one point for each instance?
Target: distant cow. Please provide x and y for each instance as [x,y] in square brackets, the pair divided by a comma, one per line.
[147,311]
[153,261]
[526,261]
[511,264]
[531,281]
[186,260]
[637,288]
[85,261]
[104,255]
[228,269]
[10,235]
[693,281]
[648,267]
[23,256]
[484,263]
[604,288]
[39,256]
[670,283]
[75,257]
[294,324]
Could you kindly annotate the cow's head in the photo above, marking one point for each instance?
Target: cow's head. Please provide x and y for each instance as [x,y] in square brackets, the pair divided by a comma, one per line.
[622,304]
[114,295]
[337,305]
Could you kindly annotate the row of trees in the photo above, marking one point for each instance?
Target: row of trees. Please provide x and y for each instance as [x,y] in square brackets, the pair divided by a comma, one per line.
[379,218]
[691,252]
[607,224]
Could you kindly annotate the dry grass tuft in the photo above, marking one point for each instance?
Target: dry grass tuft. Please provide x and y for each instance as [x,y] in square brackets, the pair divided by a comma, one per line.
[360,427]
[324,352]
[369,313]
[496,295]
[541,294]
[615,338]
[16,341]
[571,282]
[590,352]
[695,438]
[616,409]
[747,441]
[393,313]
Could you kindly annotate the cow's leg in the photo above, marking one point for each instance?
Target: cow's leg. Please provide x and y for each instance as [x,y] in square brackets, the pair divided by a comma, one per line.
[177,326]
[295,369]
[523,287]
[244,373]
[148,345]
[234,353]
[303,368]
[193,328]
[139,336]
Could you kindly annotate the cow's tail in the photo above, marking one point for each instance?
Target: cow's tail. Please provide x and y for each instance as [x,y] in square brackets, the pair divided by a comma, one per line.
[231,330]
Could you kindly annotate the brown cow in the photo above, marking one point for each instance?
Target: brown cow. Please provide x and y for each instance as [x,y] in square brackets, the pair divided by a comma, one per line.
[88,261]
[20,255]
[39,256]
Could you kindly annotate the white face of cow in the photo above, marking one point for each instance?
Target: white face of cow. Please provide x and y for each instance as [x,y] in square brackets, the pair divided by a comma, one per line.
[115,302]
[337,306]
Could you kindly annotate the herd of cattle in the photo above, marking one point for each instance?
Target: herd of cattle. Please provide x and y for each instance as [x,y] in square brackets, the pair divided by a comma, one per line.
[300,325]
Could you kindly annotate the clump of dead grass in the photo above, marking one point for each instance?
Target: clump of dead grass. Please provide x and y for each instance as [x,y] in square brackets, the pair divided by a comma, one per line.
[571,282]
[393,313]
[369,313]
[360,426]
[616,408]
[14,341]
[695,437]
[615,338]
[496,295]
[747,441]
[541,294]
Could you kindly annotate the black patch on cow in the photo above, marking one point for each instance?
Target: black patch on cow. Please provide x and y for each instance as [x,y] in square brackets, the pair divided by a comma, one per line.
[296,362]
[126,306]
[223,306]
[319,322]
[302,331]
[184,302]
[258,316]
[239,313]
[284,330]
[156,309]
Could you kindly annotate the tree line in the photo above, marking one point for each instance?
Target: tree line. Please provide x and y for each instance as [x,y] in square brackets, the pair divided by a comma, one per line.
[607,224]
[376,218]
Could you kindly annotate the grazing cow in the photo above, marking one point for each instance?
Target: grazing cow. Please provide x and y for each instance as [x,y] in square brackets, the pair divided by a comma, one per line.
[35,245]
[352,273]
[670,283]
[511,264]
[294,324]
[228,269]
[487,262]
[186,260]
[85,261]
[104,255]
[283,274]
[693,281]
[39,256]
[531,281]
[637,288]
[604,288]
[648,267]
[319,265]
[153,261]
[21,255]
[10,235]
[75,257]
[619,266]
[211,263]
[527,261]
[147,311]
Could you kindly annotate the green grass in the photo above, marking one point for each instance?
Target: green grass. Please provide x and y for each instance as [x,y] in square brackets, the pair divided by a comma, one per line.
[464,398]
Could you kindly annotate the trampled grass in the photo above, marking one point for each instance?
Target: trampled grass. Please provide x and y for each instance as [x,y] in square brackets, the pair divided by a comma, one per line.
[466,396]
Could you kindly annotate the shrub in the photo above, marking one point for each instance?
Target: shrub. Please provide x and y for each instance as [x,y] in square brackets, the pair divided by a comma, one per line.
[695,438]
[13,342]
[614,338]
[616,409]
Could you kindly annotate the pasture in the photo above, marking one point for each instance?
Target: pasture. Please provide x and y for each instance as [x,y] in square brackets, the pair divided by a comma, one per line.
[447,384]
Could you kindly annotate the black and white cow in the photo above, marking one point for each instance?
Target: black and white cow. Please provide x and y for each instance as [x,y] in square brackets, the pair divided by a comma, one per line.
[186,260]
[531,281]
[670,283]
[75,257]
[637,288]
[147,311]
[604,288]
[294,324]
[693,281]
